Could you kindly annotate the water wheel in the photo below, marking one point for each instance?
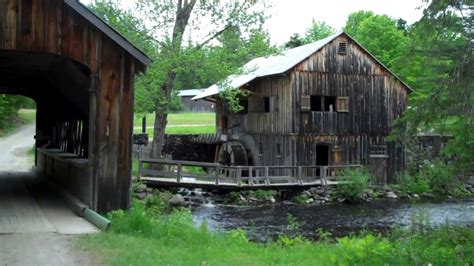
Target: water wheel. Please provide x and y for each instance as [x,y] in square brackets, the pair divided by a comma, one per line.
[232,153]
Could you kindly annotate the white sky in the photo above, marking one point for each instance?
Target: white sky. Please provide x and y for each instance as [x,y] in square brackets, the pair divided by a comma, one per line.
[295,16]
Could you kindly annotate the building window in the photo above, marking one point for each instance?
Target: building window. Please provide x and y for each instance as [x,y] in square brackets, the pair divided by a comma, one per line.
[278,150]
[342,49]
[330,104]
[244,103]
[266,104]
[319,103]
[260,148]
[316,103]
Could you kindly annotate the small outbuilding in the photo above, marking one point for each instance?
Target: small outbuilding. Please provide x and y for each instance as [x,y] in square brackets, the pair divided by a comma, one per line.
[330,102]
[198,106]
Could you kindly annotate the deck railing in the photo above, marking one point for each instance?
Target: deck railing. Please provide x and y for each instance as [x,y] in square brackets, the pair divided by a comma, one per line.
[188,172]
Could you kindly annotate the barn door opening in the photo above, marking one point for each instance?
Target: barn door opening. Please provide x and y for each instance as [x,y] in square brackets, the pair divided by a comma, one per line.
[322,154]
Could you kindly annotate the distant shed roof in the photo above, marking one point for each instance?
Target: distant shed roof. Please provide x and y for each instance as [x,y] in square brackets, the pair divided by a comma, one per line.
[189,93]
[278,64]
[92,18]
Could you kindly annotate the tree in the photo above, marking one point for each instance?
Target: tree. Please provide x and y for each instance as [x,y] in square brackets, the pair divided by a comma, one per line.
[441,46]
[317,31]
[380,35]
[180,62]
[295,41]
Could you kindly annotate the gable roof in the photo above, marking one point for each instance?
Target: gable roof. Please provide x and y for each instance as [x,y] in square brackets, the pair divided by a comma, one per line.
[110,32]
[279,64]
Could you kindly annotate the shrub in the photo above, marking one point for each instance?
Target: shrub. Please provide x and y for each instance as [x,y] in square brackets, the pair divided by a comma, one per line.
[441,179]
[262,194]
[301,198]
[408,184]
[353,184]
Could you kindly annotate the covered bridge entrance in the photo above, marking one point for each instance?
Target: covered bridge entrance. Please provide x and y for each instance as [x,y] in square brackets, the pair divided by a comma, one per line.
[81,73]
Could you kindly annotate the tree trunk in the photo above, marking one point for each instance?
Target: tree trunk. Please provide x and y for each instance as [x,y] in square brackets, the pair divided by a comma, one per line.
[183,13]
[161,120]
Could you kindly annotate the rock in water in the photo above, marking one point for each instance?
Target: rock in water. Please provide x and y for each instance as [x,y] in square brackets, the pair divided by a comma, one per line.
[391,195]
[177,200]
[141,195]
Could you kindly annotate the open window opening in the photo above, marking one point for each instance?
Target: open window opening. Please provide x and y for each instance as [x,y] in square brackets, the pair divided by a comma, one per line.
[319,103]
[316,103]
[266,104]
[244,103]
[330,104]
[278,150]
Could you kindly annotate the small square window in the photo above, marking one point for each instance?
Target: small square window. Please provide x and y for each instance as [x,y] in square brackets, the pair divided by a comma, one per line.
[342,49]
[316,103]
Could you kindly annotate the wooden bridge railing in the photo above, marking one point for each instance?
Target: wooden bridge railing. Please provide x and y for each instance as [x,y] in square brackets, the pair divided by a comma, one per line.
[216,174]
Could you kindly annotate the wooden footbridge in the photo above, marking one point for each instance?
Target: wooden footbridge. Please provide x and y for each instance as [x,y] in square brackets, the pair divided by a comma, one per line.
[216,176]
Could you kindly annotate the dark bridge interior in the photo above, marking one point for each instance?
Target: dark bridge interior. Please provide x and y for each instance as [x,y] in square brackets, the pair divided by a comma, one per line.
[81,74]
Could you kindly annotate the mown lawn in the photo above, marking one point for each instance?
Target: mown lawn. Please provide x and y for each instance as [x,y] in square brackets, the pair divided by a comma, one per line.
[182,123]
[139,237]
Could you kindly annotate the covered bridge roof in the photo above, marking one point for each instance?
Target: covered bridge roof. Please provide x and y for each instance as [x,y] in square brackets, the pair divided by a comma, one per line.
[110,32]
[277,64]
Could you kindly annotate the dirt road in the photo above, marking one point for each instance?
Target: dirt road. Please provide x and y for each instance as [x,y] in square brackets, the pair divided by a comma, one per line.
[36,226]
[14,148]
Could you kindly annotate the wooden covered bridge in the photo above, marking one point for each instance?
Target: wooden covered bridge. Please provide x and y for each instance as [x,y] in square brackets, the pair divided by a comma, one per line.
[80,72]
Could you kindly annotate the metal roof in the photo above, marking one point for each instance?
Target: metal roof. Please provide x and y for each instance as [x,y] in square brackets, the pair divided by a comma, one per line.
[275,65]
[188,93]
[91,17]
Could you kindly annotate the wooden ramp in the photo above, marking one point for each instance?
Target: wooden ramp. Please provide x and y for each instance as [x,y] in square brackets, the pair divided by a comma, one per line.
[215,176]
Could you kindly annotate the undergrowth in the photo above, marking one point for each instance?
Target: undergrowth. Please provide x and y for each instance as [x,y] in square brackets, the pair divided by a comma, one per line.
[353,184]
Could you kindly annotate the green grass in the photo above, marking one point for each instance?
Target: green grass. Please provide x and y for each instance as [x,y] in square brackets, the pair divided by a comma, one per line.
[145,237]
[182,123]
[25,116]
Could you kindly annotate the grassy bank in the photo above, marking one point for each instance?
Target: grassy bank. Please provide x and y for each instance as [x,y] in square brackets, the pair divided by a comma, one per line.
[145,237]
[25,116]
[182,123]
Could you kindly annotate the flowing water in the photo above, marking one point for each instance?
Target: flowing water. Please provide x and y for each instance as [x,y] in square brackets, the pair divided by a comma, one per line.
[266,222]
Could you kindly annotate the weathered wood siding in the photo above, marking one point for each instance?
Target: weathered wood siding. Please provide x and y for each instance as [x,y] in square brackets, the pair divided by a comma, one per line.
[51,26]
[289,134]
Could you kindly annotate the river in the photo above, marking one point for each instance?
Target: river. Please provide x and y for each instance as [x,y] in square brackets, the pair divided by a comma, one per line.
[266,222]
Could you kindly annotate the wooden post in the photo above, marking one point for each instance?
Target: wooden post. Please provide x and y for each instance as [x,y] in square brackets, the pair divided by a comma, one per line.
[300,175]
[267,180]
[323,179]
[139,177]
[218,169]
[180,169]
[250,174]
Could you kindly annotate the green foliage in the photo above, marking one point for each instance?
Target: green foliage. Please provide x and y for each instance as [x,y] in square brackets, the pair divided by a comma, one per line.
[353,183]
[9,107]
[438,178]
[301,198]
[231,98]
[380,35]
[317,31]
[262,194]
[408,184]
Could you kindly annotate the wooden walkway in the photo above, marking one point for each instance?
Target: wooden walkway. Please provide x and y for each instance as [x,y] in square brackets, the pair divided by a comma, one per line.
[215,176]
